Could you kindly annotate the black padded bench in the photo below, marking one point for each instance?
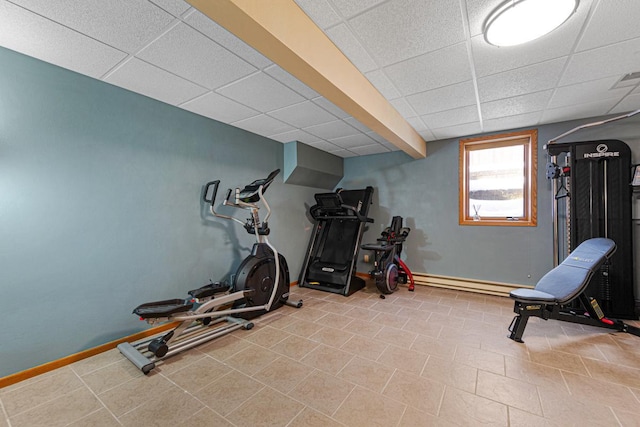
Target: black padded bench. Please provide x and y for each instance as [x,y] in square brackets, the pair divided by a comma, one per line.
[563,285]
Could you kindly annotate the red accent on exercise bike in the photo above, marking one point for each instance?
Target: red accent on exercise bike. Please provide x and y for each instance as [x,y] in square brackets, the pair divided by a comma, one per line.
[403,267]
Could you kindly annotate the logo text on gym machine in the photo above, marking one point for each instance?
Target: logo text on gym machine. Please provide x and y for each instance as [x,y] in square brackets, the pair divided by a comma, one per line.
[602,151]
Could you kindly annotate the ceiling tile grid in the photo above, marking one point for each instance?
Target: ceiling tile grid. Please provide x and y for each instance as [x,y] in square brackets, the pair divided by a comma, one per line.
[429,59]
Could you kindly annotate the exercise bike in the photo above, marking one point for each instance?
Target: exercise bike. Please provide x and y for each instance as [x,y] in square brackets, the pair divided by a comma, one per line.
[389,269]
[260,285]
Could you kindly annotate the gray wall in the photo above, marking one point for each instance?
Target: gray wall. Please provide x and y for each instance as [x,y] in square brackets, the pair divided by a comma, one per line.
[425,193]
[100,208]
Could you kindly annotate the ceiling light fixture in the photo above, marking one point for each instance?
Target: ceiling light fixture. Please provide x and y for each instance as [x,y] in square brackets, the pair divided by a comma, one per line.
[519,21]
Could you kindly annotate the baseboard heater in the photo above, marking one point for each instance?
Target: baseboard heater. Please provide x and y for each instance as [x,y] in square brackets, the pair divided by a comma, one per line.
[469,285]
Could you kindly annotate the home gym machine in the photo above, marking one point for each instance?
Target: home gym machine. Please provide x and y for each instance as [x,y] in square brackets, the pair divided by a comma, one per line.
[592,198]
[260,285]
[389,269]
[564,288]
[332,254]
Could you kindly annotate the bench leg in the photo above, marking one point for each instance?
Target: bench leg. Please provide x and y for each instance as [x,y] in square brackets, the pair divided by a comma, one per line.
[517,327]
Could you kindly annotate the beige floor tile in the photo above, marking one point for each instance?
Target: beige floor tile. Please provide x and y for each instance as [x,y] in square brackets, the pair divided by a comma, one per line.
[166,409]
[294,347]
[303,328]
[3,419]
[98,361]
[584,346]
[534,373]
[309,314]
[323,392]
[111,376]
[334,320]
[556,359]
[227,393]
[59,412]
[311,418]
[390,320]
[624,352]
[364,347]
[509,391]
[331,336]
[435,308]
[366,408]
[20,399]
[414,314]
[434,347]
[451,373]
[266,336]
[563,409]
[224,347]
[611,372]
[414,391]
[481,359]
[606,393]
[414,418]
[403,359]
[499,343]
[205,417]
[100,418]
[251,359]
[407,302]
[423,327]
[327,359]
[467,409]
[265,409]
[397,337]
[127,396]
[335,307]
[362,314]
[386,306]
[518,418]
[366,373]
[363,328]
[283,374]
[626,418]
[198,374]
[180,360]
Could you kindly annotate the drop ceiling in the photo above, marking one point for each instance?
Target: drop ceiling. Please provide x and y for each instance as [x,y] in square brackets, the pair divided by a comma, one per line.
[428,58]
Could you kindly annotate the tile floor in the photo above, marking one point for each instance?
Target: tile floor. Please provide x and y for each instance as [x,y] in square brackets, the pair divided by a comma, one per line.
[429,358]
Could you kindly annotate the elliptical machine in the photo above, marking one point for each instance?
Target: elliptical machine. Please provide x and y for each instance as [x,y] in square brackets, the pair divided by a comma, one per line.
[389,269]
[260,285]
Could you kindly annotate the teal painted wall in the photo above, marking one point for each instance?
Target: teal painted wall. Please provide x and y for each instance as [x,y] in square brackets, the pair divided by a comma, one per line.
[100,208]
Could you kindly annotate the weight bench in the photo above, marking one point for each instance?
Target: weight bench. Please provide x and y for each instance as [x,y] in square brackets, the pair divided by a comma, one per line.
[562,286]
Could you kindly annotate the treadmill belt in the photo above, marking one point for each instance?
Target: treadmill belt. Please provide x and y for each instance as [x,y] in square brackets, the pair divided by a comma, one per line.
[342,235]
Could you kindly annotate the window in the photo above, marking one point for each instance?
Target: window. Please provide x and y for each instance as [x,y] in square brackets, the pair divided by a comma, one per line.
[498,179]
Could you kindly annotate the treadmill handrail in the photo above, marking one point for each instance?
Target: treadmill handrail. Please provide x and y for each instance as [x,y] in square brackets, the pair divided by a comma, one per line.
[356,214]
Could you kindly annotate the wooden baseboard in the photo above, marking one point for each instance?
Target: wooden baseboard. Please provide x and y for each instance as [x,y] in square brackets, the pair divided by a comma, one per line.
[50,366]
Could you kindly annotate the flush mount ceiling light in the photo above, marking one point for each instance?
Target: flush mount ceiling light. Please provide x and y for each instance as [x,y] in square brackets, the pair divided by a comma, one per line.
[519,21]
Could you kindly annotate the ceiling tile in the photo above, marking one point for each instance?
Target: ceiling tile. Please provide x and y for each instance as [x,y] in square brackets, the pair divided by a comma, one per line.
[613,60]
[613,21]
[223,37]
[587,91]
[356,124]
[189,54]
[349,8]
[302,115]
[629,103]
[287,79]
[512,122]
[592,109]
[349,142]
[402,106]
[154,82]
[533,78]
[33,35]
[295,135]
[444,98]
[369,149]
[344,39]
[417,124]
[343,153]
[516,105]
[330,107]
[320,12]
[262,92]
[219,108]
[412,28]
[427,135]
[174,7]
[466,129]
[478,11]
[420,74]
[380,80]
[124,24]
[325,146]
[335,129]
[450,118]
[263,125]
